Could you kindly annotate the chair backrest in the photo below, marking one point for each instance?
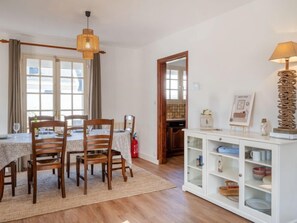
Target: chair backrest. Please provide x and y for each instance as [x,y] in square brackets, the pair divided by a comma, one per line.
[40,118]
[100,139]
[75,121]
[129,124]
[49,145]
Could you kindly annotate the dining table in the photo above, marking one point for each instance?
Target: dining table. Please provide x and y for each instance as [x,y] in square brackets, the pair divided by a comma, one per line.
[14,146]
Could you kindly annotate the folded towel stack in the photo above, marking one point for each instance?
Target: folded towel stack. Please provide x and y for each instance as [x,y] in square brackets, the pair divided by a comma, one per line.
[228,150]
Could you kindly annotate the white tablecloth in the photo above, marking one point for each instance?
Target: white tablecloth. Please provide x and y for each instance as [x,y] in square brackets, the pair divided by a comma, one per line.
[18,145]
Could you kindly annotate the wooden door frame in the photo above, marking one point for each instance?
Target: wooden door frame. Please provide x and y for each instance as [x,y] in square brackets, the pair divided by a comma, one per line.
[161,103]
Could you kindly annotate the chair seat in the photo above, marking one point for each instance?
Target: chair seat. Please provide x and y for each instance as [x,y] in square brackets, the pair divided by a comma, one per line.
[94,158]
[47,164]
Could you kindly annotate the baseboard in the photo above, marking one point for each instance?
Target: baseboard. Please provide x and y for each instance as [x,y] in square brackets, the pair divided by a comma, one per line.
[149,158]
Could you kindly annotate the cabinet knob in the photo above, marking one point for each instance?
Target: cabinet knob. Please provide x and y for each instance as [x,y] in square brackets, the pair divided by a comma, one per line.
[220,139]
[240,175]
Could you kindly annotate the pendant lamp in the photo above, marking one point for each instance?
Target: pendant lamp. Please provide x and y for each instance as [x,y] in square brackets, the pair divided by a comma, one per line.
[87,42]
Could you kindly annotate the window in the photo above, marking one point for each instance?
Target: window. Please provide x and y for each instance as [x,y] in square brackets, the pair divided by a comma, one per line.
[176,84]
[53,86]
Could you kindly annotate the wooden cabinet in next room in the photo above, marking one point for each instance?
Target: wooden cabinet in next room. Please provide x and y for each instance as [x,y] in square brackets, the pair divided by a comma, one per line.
[175,137]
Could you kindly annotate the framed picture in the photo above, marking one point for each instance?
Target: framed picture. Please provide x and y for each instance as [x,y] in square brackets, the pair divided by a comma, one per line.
[242,109]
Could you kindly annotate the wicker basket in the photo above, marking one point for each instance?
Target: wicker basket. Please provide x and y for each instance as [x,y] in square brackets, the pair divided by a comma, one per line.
[231,189]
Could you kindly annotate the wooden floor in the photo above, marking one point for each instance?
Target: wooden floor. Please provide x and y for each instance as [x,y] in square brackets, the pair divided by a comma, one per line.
[171,205]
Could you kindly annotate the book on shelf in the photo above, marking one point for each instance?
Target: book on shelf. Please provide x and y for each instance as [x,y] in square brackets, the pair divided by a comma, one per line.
[283,135]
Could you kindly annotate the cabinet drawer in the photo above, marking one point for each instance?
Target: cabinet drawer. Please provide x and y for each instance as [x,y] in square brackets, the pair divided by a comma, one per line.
[223,139]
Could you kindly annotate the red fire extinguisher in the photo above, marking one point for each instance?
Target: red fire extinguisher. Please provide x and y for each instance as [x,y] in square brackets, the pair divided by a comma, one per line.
[134,147]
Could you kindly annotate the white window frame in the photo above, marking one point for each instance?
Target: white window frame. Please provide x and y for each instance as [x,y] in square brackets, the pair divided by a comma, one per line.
[180,89]
[56,82]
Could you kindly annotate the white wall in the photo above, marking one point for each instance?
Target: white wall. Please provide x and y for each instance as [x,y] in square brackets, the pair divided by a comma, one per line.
[227,54]
[121,78]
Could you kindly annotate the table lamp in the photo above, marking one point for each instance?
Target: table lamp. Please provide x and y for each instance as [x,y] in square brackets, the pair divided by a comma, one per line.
[284,53]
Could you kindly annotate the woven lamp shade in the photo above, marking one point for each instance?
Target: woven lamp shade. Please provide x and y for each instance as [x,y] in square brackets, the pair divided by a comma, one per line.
[88,44]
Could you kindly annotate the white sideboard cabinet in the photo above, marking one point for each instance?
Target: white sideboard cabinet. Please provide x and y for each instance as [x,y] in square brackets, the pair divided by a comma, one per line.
[272,199]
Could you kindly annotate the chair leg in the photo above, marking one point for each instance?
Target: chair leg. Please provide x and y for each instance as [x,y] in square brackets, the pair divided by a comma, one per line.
[68,164]
[29,177]
[2,175]
[123,163]
[92,169]
[53,169]
[63,182]
[131,172]
[85,177]
[109,165]
[59,178]
[77,170]
[103,172]
[13,177]
[34,186]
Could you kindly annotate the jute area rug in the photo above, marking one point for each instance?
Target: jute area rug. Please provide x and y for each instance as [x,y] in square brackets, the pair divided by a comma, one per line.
[49,198]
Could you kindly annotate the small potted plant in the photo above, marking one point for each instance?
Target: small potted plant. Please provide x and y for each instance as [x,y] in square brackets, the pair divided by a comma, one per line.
[206,120]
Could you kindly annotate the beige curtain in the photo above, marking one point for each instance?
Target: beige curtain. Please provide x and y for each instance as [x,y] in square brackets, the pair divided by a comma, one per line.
[14,85]
[95,88]
[14,93]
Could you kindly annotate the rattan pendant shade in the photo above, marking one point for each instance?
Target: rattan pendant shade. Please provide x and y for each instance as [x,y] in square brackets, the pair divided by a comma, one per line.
[87,42]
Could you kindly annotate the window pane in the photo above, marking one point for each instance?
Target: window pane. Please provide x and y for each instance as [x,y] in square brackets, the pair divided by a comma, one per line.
[167,75]
[63,114]
[167,84]
[66,102]
[49,113]
[78,102]
[167,94]
[184,76]
[46,85]
[174,84]
[47,102]
[65,85]
[184,85]
[184,95]
[32,102]
[78,112]
[174,94]
[32,66]
[78,85]
[32,84]
[174,74]
[65,69]
[47,67]
[78,70]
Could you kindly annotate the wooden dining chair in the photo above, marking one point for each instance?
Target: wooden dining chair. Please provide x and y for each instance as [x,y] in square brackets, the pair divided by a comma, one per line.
[40,118]
[120,163]
[71,119]
[97,150]
[47,153]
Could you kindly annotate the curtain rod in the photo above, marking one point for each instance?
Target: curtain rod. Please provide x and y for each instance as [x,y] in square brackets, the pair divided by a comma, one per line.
[48,46]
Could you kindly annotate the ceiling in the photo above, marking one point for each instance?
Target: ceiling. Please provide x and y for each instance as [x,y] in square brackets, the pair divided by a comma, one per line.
[128,23]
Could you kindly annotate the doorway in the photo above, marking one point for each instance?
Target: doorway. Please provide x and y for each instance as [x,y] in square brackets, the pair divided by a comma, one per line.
[166,93]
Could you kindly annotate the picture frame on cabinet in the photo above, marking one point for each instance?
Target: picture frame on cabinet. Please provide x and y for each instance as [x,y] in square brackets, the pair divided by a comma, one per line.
[242,108]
